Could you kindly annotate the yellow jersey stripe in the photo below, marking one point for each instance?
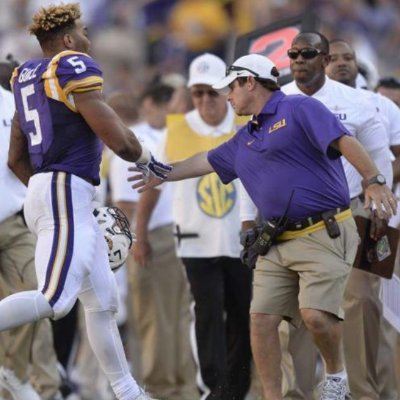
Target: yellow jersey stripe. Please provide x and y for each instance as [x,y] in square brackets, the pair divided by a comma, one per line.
[92,81]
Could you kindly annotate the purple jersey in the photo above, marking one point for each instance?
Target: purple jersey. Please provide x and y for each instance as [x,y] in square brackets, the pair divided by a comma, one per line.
[286,150]
[58,137]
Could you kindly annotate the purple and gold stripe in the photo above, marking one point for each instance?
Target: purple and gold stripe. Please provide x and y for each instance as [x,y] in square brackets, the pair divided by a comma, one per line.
[13,77]
[53,87]
[63,239]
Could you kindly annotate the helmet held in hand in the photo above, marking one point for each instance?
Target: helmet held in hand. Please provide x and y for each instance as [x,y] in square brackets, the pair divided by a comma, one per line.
[115,227]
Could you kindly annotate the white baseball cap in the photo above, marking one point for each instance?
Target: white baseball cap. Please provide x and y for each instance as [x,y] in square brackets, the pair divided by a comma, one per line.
[251,65]
[206,69]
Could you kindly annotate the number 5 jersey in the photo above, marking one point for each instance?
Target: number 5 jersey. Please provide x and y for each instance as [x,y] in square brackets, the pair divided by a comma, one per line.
[58,137]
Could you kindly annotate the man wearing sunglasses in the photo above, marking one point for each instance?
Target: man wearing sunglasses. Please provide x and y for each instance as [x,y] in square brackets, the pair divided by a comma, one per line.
[309,57]
[291,170]
[372,372]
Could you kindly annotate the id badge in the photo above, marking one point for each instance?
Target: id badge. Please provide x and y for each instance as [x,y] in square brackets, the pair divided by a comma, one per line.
[379,251]
[383,248]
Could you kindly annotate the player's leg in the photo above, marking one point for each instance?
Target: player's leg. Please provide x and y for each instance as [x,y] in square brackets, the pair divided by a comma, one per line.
[22,308]
[99,299]
[17,272]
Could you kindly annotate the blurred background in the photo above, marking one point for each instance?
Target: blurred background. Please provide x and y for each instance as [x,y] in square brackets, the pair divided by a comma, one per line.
[134,40]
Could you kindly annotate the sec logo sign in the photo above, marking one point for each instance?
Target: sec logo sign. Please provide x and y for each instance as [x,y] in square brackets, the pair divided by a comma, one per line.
[214,198]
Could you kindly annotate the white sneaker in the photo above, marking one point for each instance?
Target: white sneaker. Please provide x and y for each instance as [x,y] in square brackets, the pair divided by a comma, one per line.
[334,389]
[18,390]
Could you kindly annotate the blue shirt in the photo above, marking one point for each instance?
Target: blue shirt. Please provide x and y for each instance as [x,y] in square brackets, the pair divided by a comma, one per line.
[284,153]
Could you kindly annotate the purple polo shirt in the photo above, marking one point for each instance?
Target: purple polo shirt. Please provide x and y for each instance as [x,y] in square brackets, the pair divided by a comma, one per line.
[285,150]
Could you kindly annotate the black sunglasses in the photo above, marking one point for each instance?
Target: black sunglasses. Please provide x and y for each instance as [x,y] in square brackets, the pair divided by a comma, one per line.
[307,54]
[237,68]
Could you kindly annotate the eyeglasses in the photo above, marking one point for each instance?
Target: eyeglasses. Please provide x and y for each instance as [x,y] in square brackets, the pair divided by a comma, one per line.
[238,68]
[307,54]
[201,93]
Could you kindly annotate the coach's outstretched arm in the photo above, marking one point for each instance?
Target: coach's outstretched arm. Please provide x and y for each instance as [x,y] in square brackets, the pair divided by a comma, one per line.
[191,167]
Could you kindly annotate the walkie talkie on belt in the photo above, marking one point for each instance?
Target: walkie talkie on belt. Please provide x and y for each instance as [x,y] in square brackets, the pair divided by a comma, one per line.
[331,224]
[270,231]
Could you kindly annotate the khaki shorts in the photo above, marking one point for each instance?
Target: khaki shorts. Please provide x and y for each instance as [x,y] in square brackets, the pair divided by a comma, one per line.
[307,272]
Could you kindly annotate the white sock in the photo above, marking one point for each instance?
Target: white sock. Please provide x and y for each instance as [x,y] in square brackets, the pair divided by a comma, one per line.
[341,375]
[126,388]
[106,343]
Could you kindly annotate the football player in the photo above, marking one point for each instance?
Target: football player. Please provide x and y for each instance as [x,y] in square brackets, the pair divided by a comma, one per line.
[56,142]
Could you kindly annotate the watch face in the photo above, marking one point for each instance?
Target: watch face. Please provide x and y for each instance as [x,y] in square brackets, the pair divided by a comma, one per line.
[381,179]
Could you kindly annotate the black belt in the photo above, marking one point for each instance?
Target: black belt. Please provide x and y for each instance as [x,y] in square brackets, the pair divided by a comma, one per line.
[20,213]
[360,197]
[306,222]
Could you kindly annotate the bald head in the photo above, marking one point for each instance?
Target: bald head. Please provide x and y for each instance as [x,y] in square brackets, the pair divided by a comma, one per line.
[312,39]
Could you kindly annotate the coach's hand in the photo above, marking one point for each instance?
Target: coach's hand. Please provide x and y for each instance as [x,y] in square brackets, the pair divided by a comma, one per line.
[144,178]
[380,198]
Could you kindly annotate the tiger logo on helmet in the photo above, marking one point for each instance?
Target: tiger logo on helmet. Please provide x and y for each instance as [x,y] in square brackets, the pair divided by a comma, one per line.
[116,231]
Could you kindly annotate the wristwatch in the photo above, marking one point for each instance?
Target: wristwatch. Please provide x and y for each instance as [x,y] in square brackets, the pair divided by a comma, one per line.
[379,179]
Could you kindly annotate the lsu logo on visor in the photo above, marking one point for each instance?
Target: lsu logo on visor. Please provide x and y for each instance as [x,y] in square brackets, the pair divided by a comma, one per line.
[277,125]
[214,198]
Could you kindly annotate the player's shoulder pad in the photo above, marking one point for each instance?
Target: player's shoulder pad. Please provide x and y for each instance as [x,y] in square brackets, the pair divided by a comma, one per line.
[75,66]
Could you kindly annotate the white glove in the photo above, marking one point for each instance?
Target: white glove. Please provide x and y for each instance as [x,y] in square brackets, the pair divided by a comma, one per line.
[148,164]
